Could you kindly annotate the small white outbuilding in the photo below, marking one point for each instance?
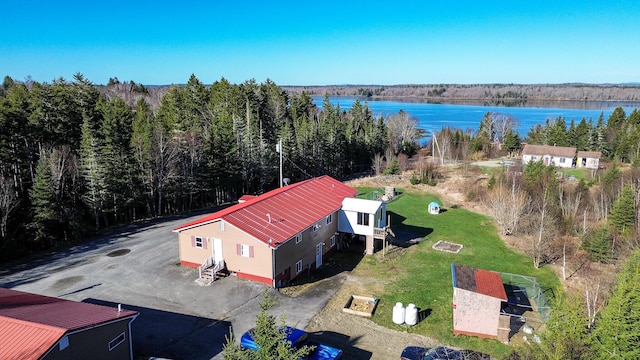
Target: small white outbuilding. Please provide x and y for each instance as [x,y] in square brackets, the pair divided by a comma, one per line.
[434,208]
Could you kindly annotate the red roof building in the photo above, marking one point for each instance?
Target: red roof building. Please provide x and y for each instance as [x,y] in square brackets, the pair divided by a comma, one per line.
[477,299]
[41,327]
[271,238]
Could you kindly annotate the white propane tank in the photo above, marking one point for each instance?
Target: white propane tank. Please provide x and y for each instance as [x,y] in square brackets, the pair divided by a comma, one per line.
[398,314]
[411,315]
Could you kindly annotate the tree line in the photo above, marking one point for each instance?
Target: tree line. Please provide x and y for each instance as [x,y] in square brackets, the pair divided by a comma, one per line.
[75,160]
[490,94]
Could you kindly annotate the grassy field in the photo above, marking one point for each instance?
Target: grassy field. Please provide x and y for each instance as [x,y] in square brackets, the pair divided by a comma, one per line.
[422,275]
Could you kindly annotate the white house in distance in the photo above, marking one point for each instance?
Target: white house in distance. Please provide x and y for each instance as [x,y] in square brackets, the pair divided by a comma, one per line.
[365,218]
[558,156]
[588,159]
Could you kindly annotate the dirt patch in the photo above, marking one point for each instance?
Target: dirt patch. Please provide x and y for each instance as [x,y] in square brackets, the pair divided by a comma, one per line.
[360,305]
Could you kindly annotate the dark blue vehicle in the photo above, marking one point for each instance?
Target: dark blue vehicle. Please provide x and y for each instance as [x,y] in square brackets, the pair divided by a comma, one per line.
[298,338]
[440,353]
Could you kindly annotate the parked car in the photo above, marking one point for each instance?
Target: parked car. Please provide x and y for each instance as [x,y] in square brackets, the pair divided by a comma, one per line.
[298,338]
[440,353]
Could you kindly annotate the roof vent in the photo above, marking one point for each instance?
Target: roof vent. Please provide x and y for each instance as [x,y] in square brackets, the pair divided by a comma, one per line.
[269,218]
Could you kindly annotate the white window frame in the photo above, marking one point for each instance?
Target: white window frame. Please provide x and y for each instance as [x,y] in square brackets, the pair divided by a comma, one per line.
[245,250]
[221,225]
[329,219]
[562,160]
[299,267]
[117,341]
[198,242]
[298,238]
[333,241]
[362,219]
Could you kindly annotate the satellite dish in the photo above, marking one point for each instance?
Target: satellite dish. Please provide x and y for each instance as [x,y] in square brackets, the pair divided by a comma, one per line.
[286,181]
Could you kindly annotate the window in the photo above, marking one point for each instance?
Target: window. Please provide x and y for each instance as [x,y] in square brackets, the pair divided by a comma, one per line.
[298,238]
[221,225]
[562,160]
[333,241]
[198,242]
[316,227]
[245,250]
[299,266]
[329,219]
[363,219]
[116,341]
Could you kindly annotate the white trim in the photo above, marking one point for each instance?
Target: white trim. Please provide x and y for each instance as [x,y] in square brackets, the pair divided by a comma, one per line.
[195,242]
[117,341]
[245,250]
[299,267]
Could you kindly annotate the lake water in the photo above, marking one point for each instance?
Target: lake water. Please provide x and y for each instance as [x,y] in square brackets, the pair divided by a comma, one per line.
[433,117]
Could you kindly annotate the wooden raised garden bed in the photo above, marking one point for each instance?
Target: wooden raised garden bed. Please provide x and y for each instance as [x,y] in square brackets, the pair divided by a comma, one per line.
[360,305]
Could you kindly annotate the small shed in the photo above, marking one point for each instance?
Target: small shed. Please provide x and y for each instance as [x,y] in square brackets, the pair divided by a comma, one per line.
[477,297]
[434,208]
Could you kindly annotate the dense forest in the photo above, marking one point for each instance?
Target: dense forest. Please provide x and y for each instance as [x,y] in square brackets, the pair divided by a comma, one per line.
[76,159]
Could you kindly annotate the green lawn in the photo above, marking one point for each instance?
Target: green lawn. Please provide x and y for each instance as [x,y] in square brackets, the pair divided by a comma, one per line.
[422,276]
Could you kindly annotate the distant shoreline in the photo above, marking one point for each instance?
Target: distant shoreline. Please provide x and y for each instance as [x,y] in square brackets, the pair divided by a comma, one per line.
[479,93]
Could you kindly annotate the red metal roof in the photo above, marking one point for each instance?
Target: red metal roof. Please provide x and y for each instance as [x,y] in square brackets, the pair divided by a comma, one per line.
[37,321]
[25,340]
[278,215]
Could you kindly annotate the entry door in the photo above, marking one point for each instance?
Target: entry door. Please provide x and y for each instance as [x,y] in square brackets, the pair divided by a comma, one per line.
[318,255]
[217,250]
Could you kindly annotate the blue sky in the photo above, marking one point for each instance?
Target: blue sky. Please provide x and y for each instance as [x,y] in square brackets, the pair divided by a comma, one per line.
[323,42]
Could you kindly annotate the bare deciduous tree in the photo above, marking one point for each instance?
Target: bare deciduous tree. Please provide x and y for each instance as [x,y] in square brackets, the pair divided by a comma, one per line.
[401,129]
[377,164]
[506,206]
[8,202]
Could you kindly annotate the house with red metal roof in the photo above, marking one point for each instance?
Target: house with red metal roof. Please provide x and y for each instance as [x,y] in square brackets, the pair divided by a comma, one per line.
[275,237]
[477,299]
[41,327]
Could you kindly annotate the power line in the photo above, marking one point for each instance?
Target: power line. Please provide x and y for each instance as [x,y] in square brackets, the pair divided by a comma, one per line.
[298,167]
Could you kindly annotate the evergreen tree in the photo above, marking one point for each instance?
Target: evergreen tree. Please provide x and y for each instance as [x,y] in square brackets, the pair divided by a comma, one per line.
[566,335]
[269,336]
[623,213]
[47,220]
[617,334]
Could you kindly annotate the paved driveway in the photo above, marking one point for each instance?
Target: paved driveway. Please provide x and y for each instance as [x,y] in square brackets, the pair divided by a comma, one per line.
[138,267]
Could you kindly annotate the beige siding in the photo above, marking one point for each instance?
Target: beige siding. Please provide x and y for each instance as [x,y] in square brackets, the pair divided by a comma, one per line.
[258,265]
[475,313]
[261,264]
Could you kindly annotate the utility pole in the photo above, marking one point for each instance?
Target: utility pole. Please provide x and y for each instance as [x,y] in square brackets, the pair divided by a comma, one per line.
[279,150]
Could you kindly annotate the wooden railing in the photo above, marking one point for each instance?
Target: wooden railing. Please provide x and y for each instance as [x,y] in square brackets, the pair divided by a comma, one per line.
[208,262]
